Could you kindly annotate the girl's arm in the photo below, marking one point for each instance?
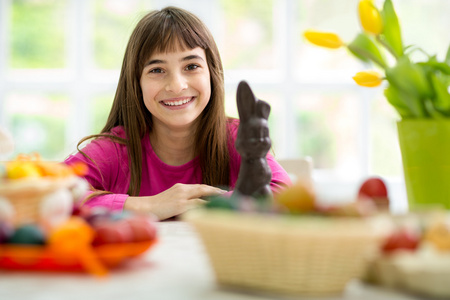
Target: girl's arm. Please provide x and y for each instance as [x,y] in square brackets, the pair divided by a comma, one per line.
[280,178]
[173,201]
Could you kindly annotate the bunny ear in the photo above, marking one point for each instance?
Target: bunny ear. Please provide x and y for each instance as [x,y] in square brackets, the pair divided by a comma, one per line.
[263,109]
[246,101]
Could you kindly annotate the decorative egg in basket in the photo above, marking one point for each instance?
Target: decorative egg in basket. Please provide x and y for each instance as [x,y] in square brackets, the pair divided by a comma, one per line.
[39,192]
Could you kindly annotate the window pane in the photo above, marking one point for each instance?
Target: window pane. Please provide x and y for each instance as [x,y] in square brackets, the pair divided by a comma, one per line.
[113,22]
[275,118]
[247,40]
[327,126]
[385,157]
[319,64]
[100,109]
[37,36]
[425,23]
[38,123]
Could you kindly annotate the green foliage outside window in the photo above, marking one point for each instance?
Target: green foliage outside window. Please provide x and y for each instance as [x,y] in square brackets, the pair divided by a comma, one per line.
[248,40]
[39,133]
[315,139]
[38,34]
[100,110]
[112,28]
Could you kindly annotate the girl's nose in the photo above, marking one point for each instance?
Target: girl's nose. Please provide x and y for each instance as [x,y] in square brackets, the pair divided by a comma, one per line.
[176,83]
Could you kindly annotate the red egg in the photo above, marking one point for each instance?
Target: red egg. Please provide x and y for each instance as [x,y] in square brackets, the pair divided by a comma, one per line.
[373,187]
[109,232]
[402,239]
[143,229]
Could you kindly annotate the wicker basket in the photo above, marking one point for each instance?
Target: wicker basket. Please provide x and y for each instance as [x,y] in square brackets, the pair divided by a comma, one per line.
[285,254]
[25,197]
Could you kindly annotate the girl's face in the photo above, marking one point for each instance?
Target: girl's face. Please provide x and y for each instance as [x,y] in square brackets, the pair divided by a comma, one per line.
[176,87]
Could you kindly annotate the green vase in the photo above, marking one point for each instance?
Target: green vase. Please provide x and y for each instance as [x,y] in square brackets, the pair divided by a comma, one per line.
[425,149]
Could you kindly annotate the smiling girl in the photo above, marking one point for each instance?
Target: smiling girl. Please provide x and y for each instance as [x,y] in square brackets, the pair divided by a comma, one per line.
[167,142]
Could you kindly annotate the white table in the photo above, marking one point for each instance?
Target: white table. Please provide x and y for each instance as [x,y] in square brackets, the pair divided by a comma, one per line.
[175,268]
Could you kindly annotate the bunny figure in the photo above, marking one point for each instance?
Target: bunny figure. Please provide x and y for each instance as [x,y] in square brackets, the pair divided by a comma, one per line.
[253,143]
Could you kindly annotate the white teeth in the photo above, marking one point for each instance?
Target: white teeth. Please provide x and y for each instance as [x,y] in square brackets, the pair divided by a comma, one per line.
[177,103]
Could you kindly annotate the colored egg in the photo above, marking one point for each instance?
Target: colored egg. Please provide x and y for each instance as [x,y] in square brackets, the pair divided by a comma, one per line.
[6,231]
[143,229]
[120,215]
[95,215]
[110,232]
[28,234]
[56,207]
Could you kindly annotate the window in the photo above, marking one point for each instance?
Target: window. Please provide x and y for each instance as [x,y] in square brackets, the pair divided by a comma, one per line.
[60,60]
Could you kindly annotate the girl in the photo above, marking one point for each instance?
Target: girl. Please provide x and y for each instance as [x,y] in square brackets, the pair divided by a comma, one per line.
[167,141]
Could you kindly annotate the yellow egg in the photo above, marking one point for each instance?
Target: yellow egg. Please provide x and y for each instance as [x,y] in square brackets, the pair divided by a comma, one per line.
[439,235]
[21,169]
[298,198]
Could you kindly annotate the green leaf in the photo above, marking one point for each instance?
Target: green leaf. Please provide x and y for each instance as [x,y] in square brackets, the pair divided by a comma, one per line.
[359,56]
[391,28]
[435,65]
[433,112]
[407,105]
[365,49]
[441,100]
[399,102]
[410,78]
[447,56]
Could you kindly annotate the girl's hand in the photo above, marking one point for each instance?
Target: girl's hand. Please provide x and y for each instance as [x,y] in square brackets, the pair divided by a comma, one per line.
[173,201]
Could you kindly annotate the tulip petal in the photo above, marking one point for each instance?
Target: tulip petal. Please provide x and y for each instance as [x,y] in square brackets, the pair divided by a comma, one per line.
[370,17]
[368,78]
[323,39]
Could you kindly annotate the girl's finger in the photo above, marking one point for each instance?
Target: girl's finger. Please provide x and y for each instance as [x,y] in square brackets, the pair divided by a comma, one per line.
[202,190]
[195,203]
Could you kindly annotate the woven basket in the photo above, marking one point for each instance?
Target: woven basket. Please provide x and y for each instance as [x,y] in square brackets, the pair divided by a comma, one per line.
[25,196]
[285,254]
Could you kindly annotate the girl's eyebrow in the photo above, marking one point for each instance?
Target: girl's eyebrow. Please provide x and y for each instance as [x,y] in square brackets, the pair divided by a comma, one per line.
[190,57]
[160,61]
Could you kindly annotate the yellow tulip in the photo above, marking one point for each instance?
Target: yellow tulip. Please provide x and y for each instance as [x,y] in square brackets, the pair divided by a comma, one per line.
[323,39]
[370,17]
[368,78]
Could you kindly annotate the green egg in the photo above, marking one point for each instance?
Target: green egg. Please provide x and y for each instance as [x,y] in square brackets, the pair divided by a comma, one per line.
[28,234]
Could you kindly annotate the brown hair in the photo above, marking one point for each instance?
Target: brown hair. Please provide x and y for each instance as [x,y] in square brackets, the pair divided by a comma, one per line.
[164,31]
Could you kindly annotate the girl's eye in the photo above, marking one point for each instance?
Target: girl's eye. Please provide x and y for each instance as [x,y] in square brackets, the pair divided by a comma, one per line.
[156,70]
[192,67]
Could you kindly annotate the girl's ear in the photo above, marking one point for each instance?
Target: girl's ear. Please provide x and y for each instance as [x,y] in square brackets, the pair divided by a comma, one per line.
[246,101]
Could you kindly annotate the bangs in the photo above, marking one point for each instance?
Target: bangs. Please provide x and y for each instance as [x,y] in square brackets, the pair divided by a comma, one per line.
[171,32]
[173,37]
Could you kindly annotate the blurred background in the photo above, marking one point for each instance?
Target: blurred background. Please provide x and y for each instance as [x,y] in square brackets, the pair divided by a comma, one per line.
[60,61]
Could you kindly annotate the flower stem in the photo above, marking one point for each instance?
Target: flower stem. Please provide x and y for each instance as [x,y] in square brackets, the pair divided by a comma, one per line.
[387,46]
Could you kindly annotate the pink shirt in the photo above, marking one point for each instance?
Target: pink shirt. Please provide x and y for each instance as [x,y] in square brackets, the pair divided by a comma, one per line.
[110,172]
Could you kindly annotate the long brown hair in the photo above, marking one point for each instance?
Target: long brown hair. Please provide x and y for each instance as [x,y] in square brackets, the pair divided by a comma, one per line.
[164,31]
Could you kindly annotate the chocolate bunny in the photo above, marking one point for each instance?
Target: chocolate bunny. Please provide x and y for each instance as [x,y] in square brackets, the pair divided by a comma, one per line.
[253,143]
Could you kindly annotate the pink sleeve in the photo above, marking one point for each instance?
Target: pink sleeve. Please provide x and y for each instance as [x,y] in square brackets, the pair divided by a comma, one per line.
[107,171]
[280,178]
[109,201]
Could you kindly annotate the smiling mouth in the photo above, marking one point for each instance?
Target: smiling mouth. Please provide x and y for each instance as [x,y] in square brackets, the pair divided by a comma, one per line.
[177,102]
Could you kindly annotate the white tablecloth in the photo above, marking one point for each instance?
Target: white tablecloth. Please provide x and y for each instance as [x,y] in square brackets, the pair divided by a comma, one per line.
[175,268]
